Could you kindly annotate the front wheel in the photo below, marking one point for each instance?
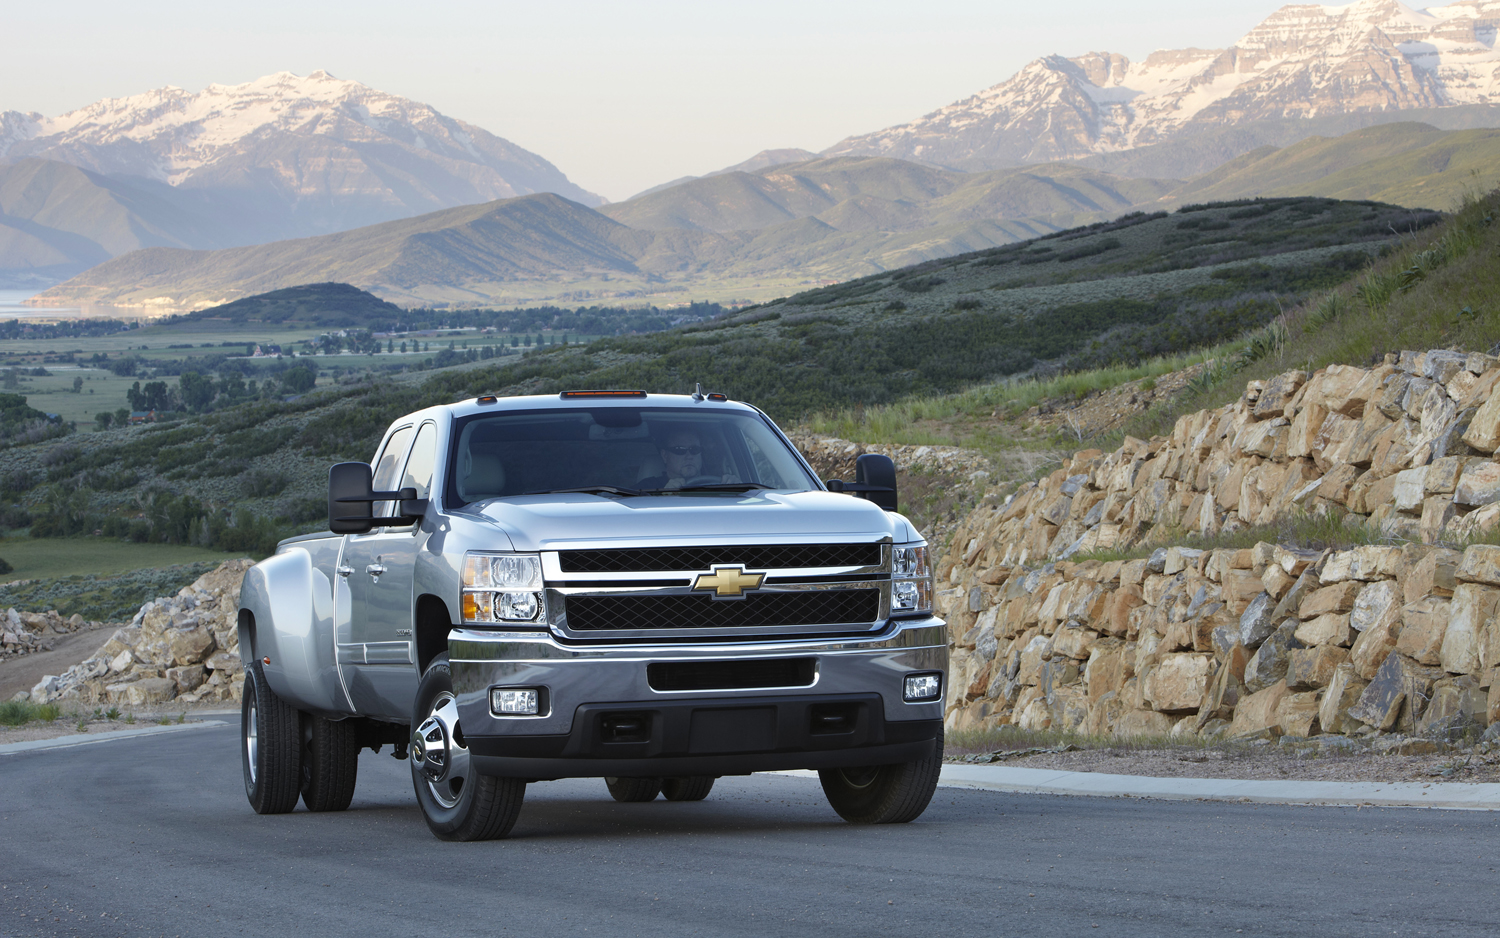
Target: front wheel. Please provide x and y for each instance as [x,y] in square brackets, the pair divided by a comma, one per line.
[688,787]
[457,802]
[884,794]
[270,746]
[633,789]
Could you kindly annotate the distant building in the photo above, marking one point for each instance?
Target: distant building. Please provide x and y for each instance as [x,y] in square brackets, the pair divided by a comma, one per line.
[266,351]
[143,416]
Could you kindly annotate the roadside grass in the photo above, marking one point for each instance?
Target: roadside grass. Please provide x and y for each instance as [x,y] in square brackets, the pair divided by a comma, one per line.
[20,712]
[48,557]
[1335,530]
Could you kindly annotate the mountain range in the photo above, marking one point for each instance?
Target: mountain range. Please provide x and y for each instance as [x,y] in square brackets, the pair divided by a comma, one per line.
[772,232]
[279,157]
[1313,66]
[1373,100]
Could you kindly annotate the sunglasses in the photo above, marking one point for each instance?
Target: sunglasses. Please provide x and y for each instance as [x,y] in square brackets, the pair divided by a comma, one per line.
[684,450]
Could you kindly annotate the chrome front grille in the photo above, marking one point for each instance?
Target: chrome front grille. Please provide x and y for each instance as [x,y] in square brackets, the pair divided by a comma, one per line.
[647,593]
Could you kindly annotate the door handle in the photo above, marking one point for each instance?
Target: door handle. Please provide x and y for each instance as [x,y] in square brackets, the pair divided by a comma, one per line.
[375,570]
[345,571]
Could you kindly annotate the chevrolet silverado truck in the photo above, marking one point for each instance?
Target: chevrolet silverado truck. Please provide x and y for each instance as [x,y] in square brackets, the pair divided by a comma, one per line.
[653,589]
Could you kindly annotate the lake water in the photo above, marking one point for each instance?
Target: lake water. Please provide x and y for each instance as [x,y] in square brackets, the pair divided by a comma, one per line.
[11,308]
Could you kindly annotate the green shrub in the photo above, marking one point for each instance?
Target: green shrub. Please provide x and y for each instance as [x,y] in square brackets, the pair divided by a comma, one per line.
[18,712]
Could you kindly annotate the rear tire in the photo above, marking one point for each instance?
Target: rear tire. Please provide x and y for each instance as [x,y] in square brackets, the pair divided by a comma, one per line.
[885,794]
[270,746]
[688,788]
[457,802]
[330,763]
[633,789]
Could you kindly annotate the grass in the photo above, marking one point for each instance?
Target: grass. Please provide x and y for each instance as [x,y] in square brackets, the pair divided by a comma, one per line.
[21,712]
[1332,531]
[101,598]
[33,558]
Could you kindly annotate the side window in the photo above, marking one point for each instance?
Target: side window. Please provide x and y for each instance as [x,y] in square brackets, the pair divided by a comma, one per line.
[419,465]
[386,468]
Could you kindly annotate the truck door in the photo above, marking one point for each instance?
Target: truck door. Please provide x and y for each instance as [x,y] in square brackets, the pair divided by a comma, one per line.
[379,566]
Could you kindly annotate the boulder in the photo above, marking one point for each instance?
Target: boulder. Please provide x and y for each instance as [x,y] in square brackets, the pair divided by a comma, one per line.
[1259,712]
[1433,575]
[1401,686]
[1297,714]
[1178,682]
[1313,668]
[187,678]
[1338,598]
[1423,625]
[1143,723]
[151,690]
[1256,624]
[1481,562]
[1458,708]
[1472,607]
[1373,603]
[1269,664]
[1331,628]
[1368,562]
[1343,691]
[190,647]
[1484,430]
[1479,484]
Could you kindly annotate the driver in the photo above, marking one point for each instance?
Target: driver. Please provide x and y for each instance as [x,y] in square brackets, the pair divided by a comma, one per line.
[682,455]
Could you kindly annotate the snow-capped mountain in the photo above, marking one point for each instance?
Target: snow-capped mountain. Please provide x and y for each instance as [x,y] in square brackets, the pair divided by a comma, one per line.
[286,155]
[1302,62]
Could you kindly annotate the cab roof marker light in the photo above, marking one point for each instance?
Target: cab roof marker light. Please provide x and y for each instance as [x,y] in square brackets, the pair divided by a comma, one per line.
[487,399]
[716,396]
[573,395]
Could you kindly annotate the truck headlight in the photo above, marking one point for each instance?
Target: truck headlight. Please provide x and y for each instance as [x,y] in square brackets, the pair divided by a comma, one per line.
[911,580]
[502,587]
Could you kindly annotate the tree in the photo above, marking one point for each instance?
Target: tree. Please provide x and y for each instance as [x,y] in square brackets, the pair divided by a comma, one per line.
[298,380]
[403,348]
[197,390]
[77,385]
[122,416]
[104,418]
[390,345]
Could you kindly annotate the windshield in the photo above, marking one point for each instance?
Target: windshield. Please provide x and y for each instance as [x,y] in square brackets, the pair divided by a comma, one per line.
[619,451]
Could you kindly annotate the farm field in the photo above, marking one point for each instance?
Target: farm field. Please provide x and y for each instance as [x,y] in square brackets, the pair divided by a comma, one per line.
[47,557]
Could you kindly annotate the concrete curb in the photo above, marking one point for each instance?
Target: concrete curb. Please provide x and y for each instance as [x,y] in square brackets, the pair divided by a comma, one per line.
[84,739]
[1450,795]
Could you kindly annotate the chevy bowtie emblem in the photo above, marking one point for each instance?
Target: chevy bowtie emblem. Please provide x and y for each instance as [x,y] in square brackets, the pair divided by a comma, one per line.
[728,582]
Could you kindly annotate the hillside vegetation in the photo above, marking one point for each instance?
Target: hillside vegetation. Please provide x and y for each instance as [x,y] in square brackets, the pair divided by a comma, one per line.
[241,476]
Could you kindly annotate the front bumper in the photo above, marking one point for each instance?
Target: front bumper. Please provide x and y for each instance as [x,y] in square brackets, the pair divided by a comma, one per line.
[851,713]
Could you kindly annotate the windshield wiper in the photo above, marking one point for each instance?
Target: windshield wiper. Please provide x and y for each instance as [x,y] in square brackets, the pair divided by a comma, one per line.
[718,487]
[590,490]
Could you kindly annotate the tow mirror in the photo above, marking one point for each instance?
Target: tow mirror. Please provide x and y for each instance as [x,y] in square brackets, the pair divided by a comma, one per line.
[351,501]
[876,477]
[350,498]
[874,480]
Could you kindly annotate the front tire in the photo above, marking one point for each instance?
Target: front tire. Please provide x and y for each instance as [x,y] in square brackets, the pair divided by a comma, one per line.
[688,788]
[270,746]
[457,802]
[633,789]
[330,763]
[884,794]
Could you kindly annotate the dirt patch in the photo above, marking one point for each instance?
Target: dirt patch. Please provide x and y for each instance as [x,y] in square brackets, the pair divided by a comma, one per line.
[1104,412]
[24,671]
[1309,761]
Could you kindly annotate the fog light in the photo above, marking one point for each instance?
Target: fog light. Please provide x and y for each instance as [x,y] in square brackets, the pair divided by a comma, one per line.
[922,687]
[515,701]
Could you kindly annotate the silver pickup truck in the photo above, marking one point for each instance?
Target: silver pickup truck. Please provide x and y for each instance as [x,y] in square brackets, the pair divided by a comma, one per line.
[653,589]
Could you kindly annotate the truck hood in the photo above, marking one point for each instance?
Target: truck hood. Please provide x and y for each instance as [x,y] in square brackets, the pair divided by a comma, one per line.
[556,522]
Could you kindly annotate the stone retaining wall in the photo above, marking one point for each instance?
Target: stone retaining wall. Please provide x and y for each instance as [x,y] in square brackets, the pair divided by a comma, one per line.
[1271,640]
[182,648]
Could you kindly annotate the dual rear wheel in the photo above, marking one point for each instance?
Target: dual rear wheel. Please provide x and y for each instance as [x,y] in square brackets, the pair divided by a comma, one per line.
[286,754]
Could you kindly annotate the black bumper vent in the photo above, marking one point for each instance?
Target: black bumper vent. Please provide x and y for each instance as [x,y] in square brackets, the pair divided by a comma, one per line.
[757,610]
[731,675]
[755,557]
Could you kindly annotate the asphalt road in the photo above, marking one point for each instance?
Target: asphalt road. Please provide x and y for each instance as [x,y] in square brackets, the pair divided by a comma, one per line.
[153,836]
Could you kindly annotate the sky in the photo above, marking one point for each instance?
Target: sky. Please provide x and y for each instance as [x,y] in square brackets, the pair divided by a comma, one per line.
[620,96]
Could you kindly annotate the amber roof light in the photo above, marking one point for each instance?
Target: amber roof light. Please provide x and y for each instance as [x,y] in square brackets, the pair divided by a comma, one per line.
[573,395]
